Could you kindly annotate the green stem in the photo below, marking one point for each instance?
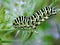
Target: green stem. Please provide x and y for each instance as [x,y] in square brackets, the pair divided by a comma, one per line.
[9,41]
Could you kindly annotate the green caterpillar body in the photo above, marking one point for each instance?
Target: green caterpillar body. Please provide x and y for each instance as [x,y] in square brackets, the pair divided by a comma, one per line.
[34,20]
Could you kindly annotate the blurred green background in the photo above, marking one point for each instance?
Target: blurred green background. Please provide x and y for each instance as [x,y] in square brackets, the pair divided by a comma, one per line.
[48,33]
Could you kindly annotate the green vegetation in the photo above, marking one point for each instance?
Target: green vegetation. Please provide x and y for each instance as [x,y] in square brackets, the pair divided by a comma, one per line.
[10,9]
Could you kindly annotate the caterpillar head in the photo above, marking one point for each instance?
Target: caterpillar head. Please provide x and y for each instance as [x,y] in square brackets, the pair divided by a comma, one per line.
[53,11]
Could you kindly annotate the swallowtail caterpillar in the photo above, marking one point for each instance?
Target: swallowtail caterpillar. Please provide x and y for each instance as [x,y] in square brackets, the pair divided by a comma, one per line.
[34,20]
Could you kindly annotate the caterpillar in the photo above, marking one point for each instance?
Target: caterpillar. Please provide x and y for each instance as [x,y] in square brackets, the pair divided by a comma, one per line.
[35,19]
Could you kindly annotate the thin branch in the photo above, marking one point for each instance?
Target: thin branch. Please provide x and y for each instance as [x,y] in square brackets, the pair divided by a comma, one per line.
[58,28]
[9,41]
